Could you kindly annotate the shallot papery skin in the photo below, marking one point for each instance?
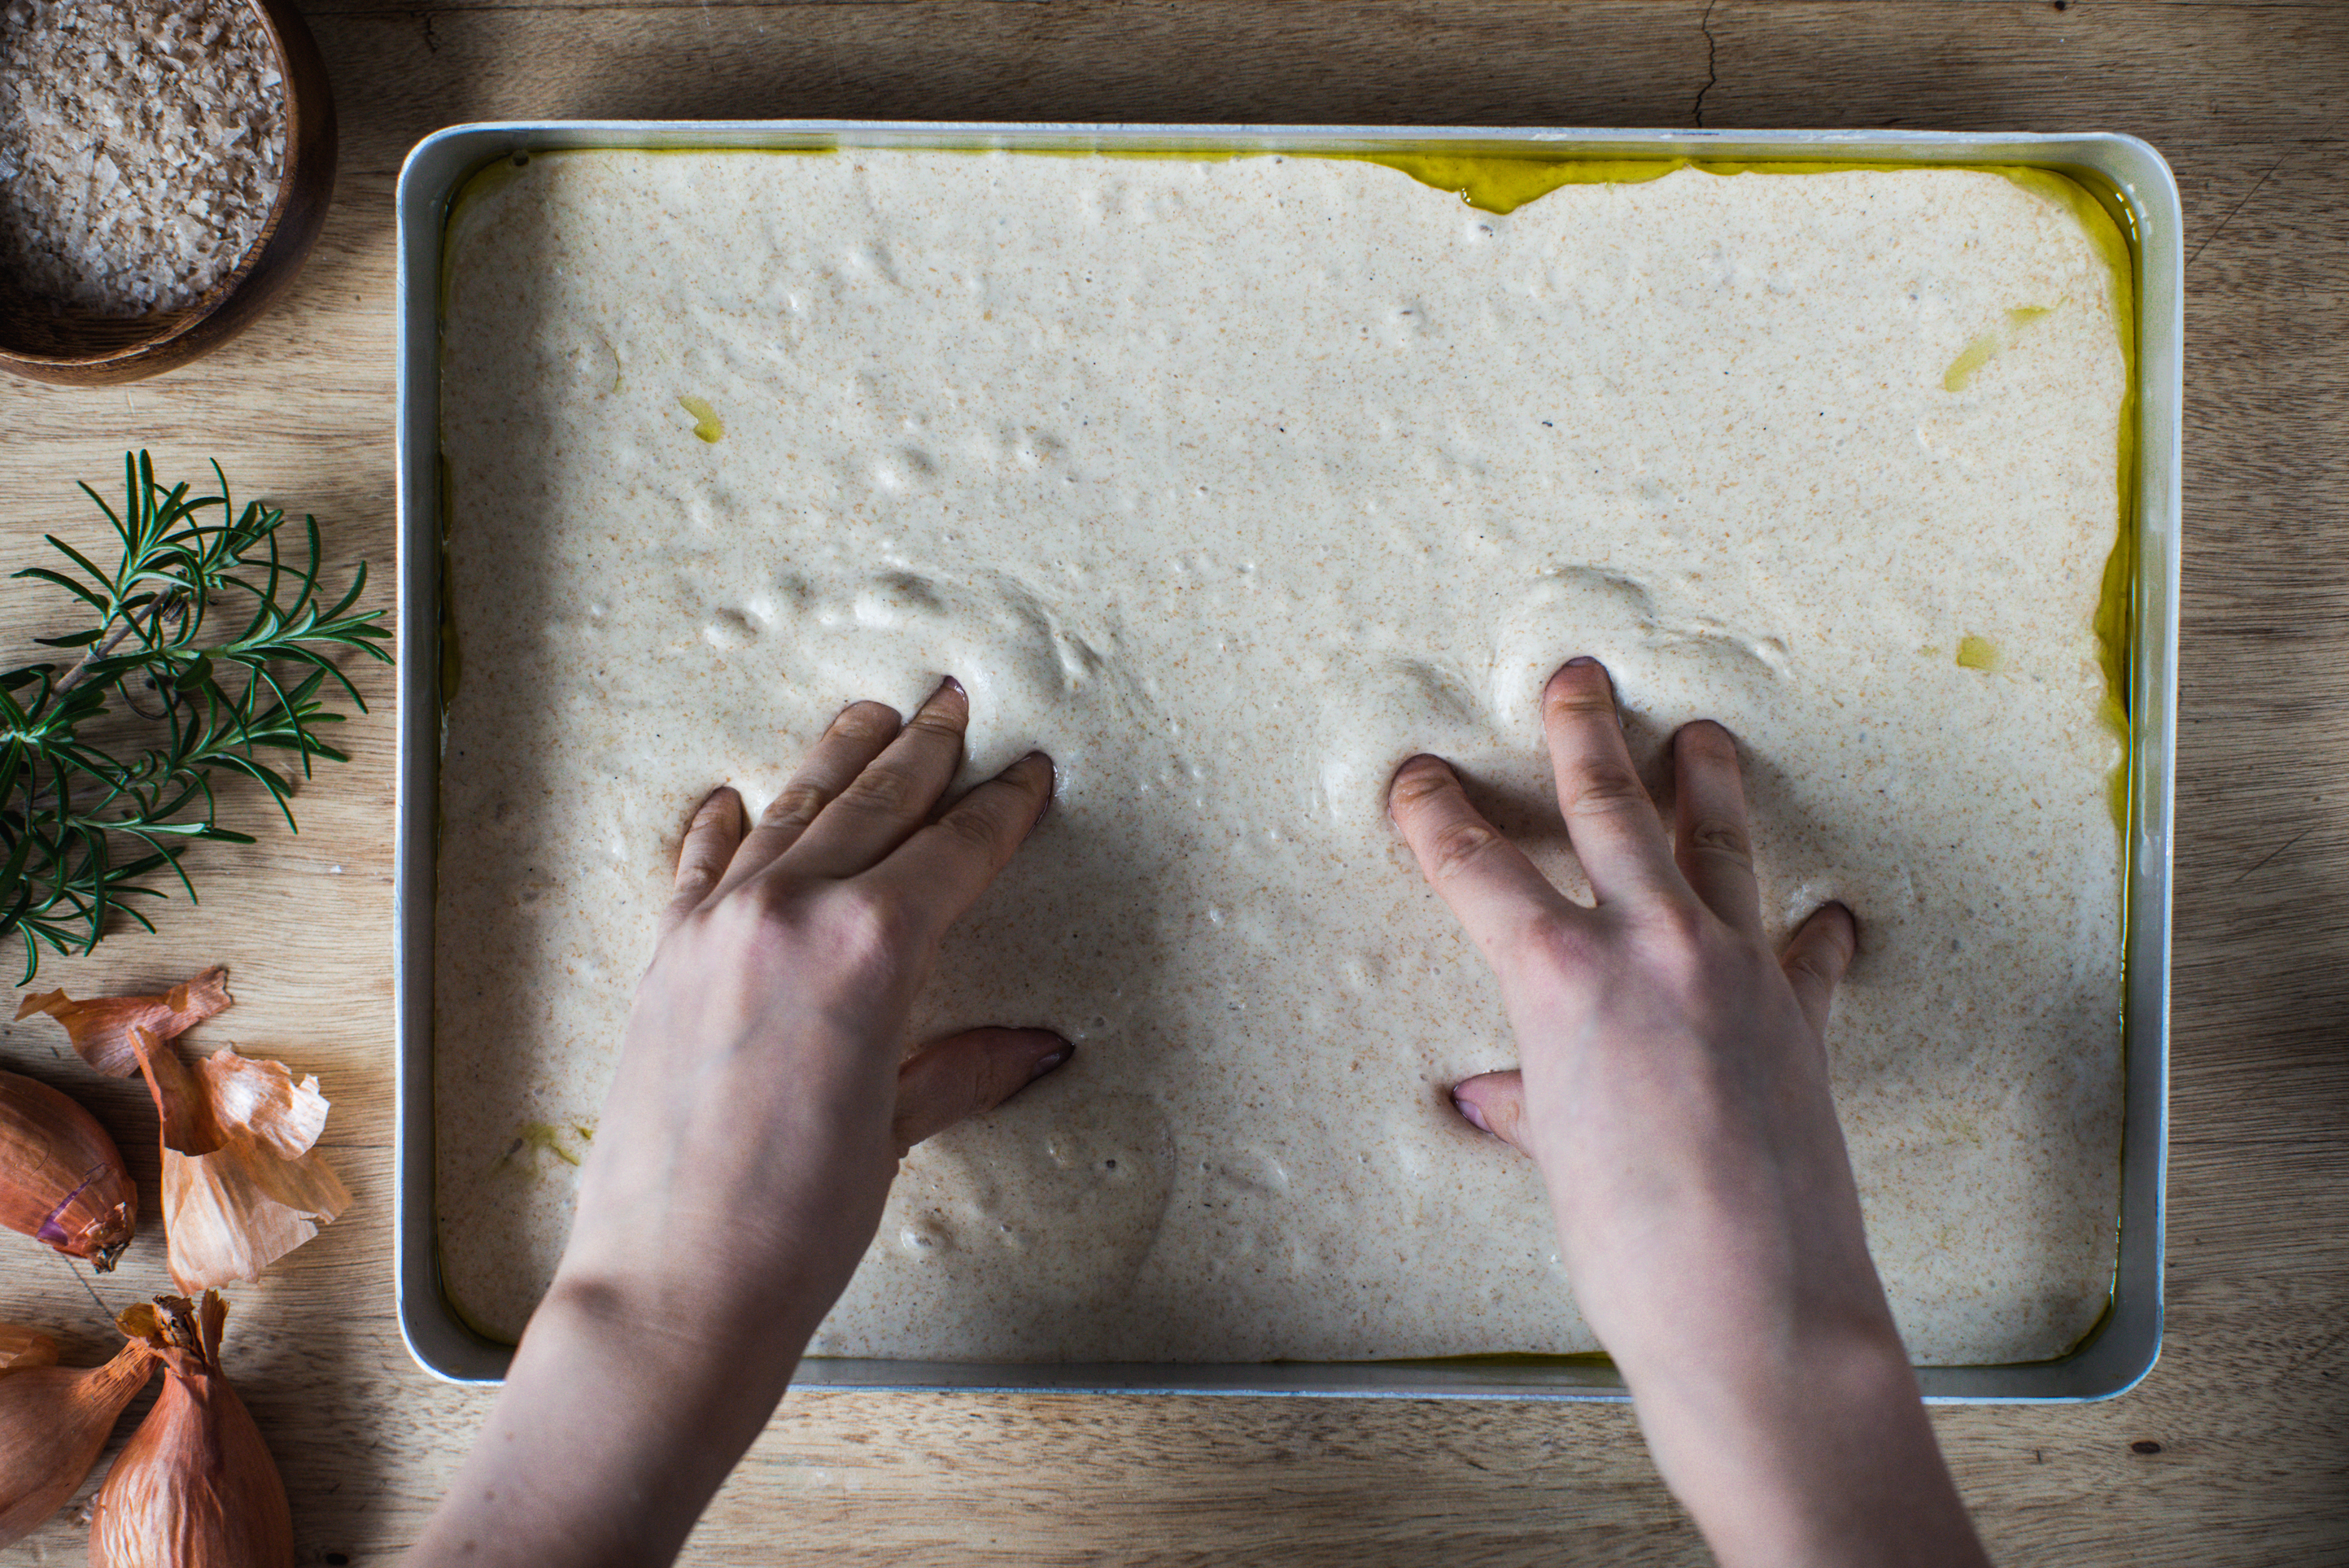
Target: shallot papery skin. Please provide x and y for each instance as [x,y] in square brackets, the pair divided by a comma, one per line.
[101,1029]
[21,1348]
[195,1487]
[243,1185]
[62,1180]
[54,1420]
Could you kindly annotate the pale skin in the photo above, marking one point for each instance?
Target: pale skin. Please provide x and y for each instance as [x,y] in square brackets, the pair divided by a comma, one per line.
[1673,1090]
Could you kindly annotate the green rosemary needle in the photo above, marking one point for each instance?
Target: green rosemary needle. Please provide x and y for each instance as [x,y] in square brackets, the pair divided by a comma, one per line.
[207,659]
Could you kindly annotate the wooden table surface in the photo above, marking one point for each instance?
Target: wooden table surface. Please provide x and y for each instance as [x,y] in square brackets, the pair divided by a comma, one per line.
[2250,1405]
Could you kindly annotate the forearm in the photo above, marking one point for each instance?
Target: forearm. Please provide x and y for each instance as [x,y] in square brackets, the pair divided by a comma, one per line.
[1821,1456]
[762,1100]
[615,1427]
[1770,1375]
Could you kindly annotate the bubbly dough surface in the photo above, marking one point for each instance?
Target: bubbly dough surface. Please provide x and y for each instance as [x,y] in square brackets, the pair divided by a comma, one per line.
[1232,484]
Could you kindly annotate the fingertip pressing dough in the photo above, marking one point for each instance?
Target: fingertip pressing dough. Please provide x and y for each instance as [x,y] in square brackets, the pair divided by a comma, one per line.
[1231,484]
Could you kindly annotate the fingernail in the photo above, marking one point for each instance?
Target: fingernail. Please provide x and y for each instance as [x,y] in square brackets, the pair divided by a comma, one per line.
[1051,784]
[1585,661]
[1727,733]
[1419,761]
[1050,1062]
[1469,1113]
[837,719]
[948,683]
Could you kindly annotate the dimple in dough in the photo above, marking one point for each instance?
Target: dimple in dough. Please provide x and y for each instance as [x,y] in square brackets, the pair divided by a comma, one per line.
[1232,484]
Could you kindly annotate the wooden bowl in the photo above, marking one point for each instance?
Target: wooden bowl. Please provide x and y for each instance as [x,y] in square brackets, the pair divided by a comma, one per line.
[73,348]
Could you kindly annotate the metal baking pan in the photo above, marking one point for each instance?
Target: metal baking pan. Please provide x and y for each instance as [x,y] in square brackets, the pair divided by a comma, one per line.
[2129,175]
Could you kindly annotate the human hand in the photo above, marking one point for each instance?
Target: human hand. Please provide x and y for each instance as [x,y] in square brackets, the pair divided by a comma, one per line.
[761,1106]
[748,1142]
[1673,1090]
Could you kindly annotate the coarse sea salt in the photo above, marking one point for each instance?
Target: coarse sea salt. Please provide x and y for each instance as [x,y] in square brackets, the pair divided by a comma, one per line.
[140,148]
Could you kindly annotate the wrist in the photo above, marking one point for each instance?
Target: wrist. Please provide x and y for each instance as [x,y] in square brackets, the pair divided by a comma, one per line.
[1746,1361]
[688,1329]
[1818,1454]
[616,1423]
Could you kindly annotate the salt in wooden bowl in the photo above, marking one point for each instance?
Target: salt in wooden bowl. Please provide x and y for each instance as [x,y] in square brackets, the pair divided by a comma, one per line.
[79,348]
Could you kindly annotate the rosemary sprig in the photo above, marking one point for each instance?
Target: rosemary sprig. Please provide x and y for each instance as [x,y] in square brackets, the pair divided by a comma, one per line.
[80,823]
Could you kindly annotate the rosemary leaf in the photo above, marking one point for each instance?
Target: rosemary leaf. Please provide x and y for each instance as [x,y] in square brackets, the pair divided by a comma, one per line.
[83,824]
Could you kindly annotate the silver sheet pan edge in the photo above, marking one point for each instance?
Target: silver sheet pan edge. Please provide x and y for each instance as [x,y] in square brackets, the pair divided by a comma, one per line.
[2115,1356]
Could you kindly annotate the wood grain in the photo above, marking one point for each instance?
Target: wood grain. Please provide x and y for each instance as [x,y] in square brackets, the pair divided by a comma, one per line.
[2248,1405]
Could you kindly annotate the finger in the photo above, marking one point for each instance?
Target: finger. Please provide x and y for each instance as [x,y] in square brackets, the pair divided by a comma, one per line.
[847,746]
[1609,819]
[947,865]
[1814,961]
[710,841]
[971,1074]
[1495,1103]
[894,796]
[1710,840]
[1486,881]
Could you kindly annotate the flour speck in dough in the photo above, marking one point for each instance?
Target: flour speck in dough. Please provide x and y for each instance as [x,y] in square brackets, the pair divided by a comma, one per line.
[1231,484]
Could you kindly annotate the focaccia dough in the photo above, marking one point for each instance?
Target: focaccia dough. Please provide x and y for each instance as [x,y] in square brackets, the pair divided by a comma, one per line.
[1231,484]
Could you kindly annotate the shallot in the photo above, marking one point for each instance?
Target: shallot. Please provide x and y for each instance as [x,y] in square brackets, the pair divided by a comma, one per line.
[195,1487]
[21,1347]
[62,1180]
[52,1422]
[244,1183]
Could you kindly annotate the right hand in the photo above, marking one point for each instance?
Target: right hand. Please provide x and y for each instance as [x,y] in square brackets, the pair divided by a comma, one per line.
[764,1100]
[749,1141]
[1673,1090]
